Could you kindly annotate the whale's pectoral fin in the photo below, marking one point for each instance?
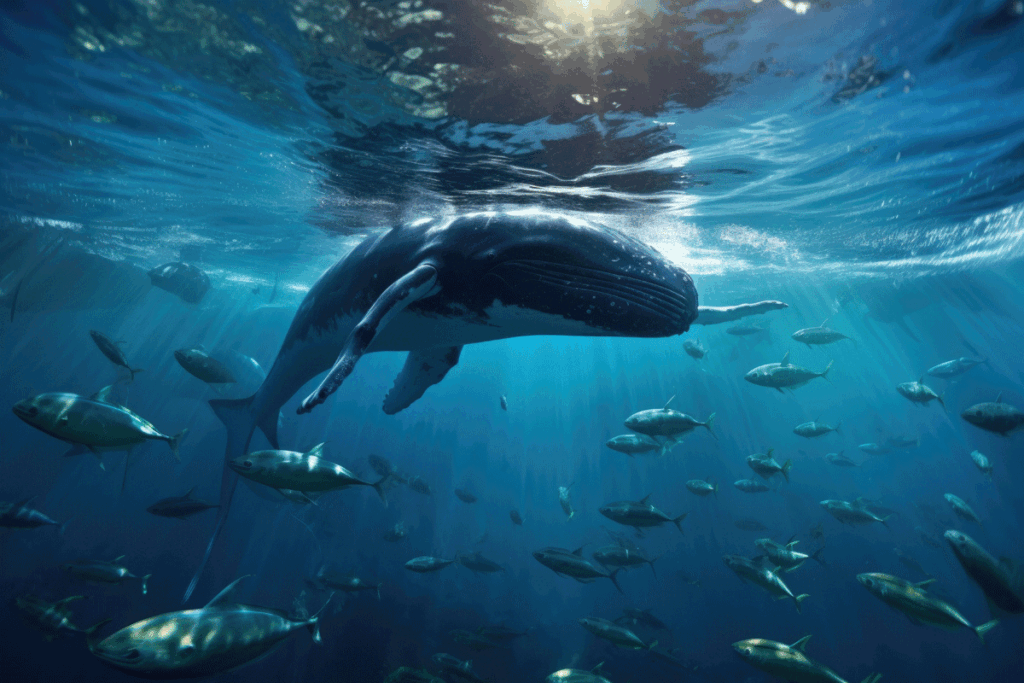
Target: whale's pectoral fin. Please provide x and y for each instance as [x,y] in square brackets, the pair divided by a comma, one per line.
[422,369]
[411,287]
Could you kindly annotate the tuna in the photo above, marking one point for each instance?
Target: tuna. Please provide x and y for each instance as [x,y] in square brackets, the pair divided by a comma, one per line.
[694,349]
[426,563]
[306,472]
[766,466]
[913,600]
[201,365]
[180,507]
[809,430]
[465,496]
[1001,581]
[638,514]
[961,508]
[633,444]
[918,393]
[752,571]
[199,642]
[112,351]
[53,617]
[701,488]
[751,486]
[784,375]
[789,662]
[954,368]
[818,336]
[982,462]
[998,417]
[573,564]
[615,634]
[851,513]
[20,516]
[100,571]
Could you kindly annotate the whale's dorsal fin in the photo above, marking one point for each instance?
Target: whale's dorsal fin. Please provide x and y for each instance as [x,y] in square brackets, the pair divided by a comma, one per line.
[423,369]
[413,286]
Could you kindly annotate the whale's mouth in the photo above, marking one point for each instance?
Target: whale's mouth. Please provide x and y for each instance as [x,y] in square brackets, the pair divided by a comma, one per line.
[656,299]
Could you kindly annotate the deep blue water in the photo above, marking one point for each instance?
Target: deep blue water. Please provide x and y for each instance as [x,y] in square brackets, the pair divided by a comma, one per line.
[863,162]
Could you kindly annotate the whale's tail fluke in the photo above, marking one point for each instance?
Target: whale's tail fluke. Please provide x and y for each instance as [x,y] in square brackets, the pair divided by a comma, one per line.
[240,419]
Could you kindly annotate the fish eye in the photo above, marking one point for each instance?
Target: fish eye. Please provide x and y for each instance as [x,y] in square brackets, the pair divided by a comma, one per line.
[33,411]
[247,463]
[132,654]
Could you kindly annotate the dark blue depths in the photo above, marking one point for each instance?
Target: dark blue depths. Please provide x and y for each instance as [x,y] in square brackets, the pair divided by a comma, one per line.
[887,202]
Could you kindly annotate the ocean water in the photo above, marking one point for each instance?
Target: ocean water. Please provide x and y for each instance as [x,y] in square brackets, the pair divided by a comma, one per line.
[862,162]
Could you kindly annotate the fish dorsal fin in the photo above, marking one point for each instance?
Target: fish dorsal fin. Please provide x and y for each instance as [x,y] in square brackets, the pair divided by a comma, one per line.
[22,504]
[316,451]
[785,359]
[597,669]
[578,552]
[999,397]
[925,583]
[189,493]
[668,402]
[222,596]
[801,644]
[792,541]
[645,499]
[104,395]
[200,347]
[117,559]
[823,322]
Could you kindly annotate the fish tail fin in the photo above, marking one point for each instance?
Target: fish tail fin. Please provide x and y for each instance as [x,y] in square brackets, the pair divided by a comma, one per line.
[652,645]
[715,490]
[873,678]
[175,442]
[678,521]
[379,488]
[651,562]
[133,371]
[378,589]
[941,401]
[816,556]
[799,599]
[615,580]
[786,467]
[985,628]
[824,373]
[885,522]
[710,421]
[838,429]
[62,527]
[314,622]
[239,418]
[145,583]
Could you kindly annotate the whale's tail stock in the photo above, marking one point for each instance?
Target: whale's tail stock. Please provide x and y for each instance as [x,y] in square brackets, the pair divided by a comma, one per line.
[240,419]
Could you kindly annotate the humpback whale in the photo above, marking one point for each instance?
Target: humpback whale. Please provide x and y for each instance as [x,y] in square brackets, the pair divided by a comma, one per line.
[433,285]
